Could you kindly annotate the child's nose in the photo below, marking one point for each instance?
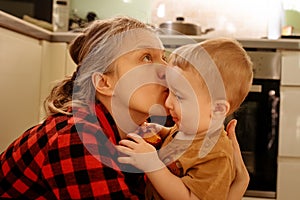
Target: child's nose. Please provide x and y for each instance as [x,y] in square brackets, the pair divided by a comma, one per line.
[168,103]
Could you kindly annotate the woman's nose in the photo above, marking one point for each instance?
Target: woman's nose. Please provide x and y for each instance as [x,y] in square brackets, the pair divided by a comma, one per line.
[162,74]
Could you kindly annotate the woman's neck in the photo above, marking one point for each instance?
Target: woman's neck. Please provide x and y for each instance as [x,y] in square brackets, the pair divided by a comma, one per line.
[126,124]
[136,118]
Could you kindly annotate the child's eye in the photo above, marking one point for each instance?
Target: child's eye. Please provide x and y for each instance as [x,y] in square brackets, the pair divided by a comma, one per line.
[177,96]
[147,58]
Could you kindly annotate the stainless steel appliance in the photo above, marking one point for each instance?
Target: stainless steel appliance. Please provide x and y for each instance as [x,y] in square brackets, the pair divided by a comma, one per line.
[56,12]
[258,124]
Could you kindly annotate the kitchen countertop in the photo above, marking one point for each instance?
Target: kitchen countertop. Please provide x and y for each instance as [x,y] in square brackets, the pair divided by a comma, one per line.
[288,44]
[16,24]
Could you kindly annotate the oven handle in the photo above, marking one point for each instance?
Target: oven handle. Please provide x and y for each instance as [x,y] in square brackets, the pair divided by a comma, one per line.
[273,100]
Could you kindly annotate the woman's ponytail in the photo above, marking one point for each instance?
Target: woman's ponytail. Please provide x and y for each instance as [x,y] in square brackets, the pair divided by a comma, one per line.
[60,98]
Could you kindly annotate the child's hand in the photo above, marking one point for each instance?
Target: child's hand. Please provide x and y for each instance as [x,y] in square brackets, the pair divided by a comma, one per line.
[153,127]
[140,154]
[149,132]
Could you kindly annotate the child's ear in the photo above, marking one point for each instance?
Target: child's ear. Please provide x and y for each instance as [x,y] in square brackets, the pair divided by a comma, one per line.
[220,108]
[102,84]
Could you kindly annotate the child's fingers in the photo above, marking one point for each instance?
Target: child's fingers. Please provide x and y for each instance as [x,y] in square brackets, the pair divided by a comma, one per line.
[127,143]
[124,150]
[135,137]
[125,160]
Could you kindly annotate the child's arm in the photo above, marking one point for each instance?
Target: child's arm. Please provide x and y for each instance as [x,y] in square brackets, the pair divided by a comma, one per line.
[144,156]
[169,186]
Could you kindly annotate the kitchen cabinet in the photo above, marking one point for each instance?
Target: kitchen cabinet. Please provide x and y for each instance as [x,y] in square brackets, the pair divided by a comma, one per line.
[20,68]
[289,129]
[29,68]
[288,179]
[56,64]
[288,176]
[289,137]
[290,68]
[70,65]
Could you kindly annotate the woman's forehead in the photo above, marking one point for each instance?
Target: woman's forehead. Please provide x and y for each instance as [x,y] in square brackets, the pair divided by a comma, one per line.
[140,39]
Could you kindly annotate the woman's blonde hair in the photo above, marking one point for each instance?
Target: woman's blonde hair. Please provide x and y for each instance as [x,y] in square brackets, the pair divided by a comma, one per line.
[60,98]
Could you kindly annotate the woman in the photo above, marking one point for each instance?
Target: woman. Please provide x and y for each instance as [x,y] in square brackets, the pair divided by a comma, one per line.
[71,155]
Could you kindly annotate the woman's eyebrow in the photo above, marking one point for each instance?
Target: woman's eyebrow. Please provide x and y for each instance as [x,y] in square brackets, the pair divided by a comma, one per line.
[142,51]
[143,46]
[148,47]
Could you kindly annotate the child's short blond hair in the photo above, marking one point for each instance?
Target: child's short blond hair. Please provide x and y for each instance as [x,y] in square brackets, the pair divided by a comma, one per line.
[233,63]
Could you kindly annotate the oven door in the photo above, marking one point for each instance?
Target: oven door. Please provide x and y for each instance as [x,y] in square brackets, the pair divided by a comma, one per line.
[257,134]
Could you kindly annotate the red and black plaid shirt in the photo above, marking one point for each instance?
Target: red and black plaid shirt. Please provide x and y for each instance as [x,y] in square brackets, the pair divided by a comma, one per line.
[52,161]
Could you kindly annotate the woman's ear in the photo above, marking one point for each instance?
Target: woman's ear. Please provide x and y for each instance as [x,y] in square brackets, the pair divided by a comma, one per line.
[102,83]
[220,108]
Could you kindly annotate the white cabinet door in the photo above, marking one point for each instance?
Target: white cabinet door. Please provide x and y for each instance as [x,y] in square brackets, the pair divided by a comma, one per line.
[288,179]
[20,63]
[289,125]
[290,68]
[56,65]
[53,68]
[70,65]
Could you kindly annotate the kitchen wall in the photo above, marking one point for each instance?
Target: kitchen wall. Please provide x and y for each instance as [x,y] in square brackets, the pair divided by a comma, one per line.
[236,18]
[140,9]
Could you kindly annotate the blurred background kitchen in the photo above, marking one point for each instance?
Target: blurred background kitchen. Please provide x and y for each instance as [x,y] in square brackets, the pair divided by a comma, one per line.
[34,38]
[246,18]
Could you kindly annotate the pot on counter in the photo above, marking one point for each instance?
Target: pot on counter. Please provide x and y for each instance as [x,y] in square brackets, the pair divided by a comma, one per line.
[172,28]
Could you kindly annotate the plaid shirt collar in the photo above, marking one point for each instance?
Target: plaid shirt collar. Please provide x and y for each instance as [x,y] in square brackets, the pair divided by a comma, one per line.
[107,122]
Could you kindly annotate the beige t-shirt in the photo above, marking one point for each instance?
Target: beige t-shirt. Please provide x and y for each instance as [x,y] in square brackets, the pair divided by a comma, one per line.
[209,177]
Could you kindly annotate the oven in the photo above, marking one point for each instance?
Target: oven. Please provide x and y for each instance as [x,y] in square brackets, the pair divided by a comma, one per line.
[258,124]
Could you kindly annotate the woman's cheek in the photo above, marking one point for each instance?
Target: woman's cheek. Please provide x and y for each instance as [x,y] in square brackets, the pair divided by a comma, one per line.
[145,97]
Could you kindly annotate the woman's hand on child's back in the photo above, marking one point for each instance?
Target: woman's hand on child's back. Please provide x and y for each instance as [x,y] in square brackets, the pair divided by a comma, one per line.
[241,181]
